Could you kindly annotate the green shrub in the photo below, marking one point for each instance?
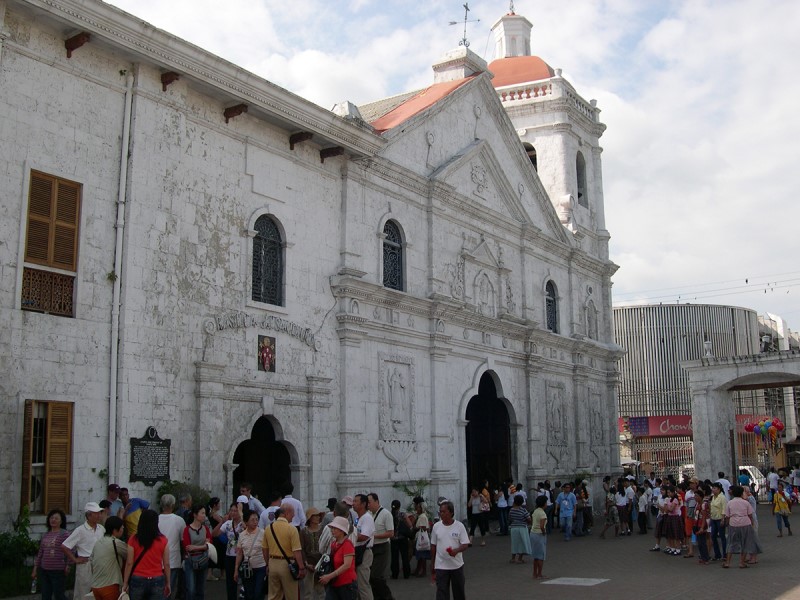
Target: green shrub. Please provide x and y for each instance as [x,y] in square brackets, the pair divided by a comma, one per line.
[177,488]
[15,547]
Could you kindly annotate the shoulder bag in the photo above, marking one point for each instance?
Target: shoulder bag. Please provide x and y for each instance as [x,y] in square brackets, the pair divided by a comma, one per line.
[245,569]
[294,568]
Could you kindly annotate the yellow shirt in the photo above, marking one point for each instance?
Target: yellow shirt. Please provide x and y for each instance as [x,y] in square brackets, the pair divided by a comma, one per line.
[718,504]
[286,535]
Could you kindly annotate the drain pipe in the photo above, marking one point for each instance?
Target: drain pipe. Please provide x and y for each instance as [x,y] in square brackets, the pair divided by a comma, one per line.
[113,400]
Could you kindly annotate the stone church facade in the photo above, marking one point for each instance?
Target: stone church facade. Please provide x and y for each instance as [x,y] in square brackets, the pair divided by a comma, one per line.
[345,299]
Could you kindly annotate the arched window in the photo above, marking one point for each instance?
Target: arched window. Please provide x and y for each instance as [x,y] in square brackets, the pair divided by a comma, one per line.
[580,169]
[531,152]
[392,257]
[551,307]
[267,262]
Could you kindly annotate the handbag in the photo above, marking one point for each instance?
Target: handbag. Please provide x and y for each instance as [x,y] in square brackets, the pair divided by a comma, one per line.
[294,568]
[245,569]
[423,541]
[360,551]
[324,565]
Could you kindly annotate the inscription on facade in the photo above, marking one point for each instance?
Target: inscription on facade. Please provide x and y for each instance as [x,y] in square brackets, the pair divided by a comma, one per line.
[150,458]
[240,320]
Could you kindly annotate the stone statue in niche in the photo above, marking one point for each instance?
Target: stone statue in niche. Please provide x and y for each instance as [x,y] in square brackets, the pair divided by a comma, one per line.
[556,418]
[485,296]
[398,406]
[396,413]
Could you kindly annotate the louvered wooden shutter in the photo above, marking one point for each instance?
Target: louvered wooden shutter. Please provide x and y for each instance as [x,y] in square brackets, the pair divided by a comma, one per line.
[58,456]
[27,452]
[53,217]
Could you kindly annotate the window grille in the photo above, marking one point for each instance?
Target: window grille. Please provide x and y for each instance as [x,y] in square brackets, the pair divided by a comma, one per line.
[551,307]
[392,257]
[267,262]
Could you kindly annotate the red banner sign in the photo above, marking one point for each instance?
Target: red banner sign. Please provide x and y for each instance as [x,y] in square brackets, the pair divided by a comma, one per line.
[672,425]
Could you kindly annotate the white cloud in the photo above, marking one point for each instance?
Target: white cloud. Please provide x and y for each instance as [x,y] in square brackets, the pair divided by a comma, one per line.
[699,98]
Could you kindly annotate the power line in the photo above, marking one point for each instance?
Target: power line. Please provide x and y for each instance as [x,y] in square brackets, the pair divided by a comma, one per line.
[735,289]
[689,287]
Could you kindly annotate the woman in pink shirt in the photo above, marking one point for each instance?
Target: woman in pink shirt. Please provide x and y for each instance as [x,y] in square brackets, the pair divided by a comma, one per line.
[739,516]
[673,522]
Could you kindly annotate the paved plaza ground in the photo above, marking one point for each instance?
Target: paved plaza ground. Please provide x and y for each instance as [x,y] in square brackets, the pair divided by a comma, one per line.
[630,571]
[625,566]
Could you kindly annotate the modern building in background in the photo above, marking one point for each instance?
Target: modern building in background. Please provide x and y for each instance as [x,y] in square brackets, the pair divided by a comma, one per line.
[655,422]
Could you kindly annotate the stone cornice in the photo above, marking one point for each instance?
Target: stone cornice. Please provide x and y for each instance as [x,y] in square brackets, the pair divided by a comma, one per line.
[127,33]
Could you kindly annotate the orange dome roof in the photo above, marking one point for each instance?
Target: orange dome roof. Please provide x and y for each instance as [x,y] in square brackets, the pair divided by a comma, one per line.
[519,69]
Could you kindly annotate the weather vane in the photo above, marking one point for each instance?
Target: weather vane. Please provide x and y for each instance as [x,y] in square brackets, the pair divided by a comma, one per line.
[464,42]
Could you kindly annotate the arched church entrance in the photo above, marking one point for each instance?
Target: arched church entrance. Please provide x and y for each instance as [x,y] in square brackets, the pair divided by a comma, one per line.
[488,436]
[263,461]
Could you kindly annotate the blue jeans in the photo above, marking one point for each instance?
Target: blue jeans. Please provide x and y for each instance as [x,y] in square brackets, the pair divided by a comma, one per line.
[566,526]
[52,584]
[146,588]
[780,521]
[195,581]
[717,533]
[502,515]
[254,587]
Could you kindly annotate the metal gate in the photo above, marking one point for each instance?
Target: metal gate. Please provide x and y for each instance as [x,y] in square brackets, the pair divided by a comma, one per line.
[667,455]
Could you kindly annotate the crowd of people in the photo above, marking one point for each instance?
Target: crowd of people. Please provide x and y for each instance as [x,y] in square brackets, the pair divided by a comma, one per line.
[349,550]
[281,550]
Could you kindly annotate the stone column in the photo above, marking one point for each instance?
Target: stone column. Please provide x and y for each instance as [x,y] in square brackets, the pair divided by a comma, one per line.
[712,424]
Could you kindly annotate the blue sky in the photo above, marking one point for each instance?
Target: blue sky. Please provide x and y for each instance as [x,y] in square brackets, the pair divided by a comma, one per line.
[699,97]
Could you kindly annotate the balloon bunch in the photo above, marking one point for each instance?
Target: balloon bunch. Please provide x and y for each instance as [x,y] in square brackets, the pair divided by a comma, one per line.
[767,430]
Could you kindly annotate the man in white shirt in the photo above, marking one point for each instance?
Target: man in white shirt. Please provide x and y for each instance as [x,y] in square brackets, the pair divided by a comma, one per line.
[171,526]
[268,516]
[726,485]
[772,482]
[365,526]
[245,489]
[449,540]
[299,519]
[79,545]
[381,548]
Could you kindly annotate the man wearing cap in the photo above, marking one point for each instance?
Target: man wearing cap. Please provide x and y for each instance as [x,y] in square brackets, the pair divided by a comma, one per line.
[365,526]
[79,545]
[326,520]
[281,535]
[449,541]
[381,548]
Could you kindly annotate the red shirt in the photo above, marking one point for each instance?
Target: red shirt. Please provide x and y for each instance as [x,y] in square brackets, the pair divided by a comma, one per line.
[150,565]
[338,552]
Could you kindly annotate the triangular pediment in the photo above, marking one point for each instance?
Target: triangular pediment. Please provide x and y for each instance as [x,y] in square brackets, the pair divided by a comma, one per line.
[483,254]
[466,143]
[476,173]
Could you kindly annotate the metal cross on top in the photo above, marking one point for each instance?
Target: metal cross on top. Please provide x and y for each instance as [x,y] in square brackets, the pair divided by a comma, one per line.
[464,42]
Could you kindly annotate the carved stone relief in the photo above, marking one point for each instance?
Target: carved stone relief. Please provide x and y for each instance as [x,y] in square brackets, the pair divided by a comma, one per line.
[511,306]
[484,294]
[456,276]
[556,415]
[481,180]
[397,402]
